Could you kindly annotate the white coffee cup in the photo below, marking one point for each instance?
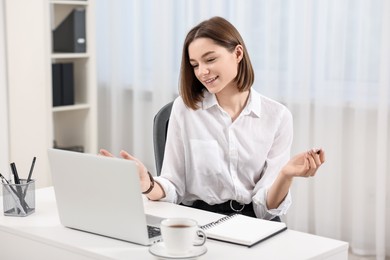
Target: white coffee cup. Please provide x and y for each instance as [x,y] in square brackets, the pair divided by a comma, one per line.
[180,235]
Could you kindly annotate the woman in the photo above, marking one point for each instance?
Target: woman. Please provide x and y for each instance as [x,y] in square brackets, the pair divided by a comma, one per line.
[228,147]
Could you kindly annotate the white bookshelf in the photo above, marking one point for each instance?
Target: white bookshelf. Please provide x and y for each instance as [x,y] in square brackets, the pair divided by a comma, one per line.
[34,124]
[76,125]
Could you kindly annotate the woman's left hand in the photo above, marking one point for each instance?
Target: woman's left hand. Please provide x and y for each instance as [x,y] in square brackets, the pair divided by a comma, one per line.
[304,164]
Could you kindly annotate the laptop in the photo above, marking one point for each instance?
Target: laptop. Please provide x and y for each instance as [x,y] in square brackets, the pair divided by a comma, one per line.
[101,195]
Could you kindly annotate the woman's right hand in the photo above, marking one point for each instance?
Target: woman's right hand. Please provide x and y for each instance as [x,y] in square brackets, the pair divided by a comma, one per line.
[142,171]
[304,164]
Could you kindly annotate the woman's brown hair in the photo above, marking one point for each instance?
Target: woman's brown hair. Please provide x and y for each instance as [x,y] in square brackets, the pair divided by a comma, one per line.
[223,33]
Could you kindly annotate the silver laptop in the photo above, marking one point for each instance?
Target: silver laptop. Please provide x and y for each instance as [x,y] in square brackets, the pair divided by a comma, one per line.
[101,195]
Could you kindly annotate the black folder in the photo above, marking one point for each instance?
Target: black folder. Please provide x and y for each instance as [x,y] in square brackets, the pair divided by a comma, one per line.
[56,81]
[70,34]
[67,84]
[63,84]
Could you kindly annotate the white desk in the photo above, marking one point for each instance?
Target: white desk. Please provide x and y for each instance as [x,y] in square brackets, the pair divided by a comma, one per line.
[41,236]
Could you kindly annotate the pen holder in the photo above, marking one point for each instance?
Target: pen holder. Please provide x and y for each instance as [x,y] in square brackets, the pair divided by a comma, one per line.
[19,199]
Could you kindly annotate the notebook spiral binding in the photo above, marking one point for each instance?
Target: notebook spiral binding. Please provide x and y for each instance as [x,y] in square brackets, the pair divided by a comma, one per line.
[215,223]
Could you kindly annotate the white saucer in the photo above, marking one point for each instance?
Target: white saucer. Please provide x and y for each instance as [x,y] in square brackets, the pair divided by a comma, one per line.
[160,251]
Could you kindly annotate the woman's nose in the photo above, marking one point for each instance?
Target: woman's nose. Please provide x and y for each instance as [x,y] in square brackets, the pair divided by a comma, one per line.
[203,70]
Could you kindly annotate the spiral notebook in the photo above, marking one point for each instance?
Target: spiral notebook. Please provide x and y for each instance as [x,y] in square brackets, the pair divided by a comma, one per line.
[243,230]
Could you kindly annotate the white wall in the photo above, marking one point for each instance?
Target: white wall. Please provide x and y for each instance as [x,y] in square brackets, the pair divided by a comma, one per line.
[28,74]
[4,147]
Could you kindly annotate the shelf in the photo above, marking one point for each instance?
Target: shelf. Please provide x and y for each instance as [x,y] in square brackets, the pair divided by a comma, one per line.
[71,108]
[69,2]
[69,55]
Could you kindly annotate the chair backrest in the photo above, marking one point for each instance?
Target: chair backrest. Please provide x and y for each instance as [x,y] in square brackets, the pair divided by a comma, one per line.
[160,127]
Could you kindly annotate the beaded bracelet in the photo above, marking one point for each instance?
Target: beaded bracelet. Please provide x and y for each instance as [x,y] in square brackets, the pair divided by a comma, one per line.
[151,184]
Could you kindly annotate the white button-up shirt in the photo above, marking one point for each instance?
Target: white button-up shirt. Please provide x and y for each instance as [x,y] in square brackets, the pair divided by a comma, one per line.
[208,157]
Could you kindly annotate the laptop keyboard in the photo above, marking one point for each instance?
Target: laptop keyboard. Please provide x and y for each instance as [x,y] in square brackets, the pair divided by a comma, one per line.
[153,231]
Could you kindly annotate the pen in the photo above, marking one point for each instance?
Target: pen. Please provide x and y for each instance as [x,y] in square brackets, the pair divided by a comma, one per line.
[4,181]
[15,173]
[19,191]
[29,177]
[31,169]
[317,150]
[13,194]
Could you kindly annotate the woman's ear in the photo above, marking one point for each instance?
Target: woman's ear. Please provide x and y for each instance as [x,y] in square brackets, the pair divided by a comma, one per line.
[239,51]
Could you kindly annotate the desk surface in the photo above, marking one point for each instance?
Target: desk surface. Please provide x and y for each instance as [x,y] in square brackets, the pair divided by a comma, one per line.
[41,236]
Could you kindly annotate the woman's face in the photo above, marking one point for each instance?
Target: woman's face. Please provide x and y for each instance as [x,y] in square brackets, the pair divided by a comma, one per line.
[214,66]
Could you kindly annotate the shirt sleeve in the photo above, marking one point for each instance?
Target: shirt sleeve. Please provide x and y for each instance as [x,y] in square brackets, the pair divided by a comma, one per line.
[172,178]
[278,156]
[260,206]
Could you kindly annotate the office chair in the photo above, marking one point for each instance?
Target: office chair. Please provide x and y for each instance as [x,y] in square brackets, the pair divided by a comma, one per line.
[160,127]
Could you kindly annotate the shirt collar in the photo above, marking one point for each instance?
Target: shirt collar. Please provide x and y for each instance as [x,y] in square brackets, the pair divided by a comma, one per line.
[209,100]
[253,105]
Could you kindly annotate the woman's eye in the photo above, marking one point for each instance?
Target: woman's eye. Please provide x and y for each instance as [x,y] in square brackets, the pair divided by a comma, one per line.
[210,59]
[194,66]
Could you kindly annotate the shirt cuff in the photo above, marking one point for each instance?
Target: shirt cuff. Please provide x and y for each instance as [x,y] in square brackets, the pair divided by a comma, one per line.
[169,189]
[260,205]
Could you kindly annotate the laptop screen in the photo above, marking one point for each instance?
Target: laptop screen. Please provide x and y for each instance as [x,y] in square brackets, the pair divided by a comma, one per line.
[99,194]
